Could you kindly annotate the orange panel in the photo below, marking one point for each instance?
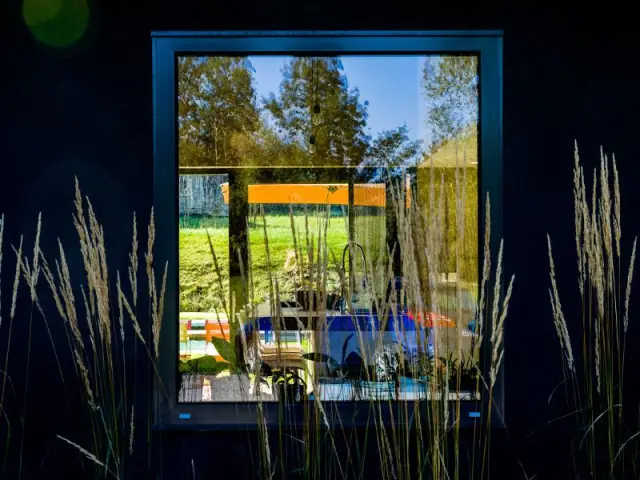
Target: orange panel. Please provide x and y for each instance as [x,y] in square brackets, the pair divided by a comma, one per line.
[225,192]
[214,330]
[371,195]
[299,194]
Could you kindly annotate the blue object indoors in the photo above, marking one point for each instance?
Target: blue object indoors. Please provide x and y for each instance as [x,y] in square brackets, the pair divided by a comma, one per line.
[361,321]
[351,334]
[472,326]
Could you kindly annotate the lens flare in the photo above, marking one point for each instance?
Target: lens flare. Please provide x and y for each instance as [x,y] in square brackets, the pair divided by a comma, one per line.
[56,23]
[37,12]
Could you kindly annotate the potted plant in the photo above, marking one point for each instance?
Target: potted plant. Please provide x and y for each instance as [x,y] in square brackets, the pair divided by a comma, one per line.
[289,386]
[462,374]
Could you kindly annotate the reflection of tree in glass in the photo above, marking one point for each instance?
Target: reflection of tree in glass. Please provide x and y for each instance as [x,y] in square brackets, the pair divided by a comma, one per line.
[391,149]
[337,129]
[216,102]
[451,88]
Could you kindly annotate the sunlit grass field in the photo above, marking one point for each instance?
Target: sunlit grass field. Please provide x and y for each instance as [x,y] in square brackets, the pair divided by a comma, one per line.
[198,277]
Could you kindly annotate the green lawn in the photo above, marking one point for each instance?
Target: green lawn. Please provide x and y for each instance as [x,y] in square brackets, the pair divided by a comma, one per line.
[199,289]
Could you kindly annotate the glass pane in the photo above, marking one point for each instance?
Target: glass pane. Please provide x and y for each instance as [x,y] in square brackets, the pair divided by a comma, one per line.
[317,214]
[204,275]
[283,313]
[297,232]
[369,259]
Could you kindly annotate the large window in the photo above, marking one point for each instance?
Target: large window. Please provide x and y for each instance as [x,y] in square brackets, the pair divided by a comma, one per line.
[325,230]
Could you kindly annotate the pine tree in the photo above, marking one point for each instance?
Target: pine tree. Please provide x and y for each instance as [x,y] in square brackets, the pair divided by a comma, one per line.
[316,110]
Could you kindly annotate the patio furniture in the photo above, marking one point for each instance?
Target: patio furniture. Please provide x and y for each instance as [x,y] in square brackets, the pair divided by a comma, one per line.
[349,336]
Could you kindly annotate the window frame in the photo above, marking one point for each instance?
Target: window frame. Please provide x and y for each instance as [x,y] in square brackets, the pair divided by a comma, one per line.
[166,47]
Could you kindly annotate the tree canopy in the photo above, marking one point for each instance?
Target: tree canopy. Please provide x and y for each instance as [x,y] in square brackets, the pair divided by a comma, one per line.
[315,117]
[391,150]
[316,110]
[216,101]
[451,88]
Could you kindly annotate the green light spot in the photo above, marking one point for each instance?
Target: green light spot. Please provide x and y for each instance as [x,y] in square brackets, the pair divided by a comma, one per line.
[36,12]
[58,23]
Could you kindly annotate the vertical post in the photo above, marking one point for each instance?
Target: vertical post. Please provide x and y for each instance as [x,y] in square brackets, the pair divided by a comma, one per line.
[391,218]
[351,212]
[238,237]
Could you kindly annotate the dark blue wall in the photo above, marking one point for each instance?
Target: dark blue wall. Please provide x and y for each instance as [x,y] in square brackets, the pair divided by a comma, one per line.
[88,113]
